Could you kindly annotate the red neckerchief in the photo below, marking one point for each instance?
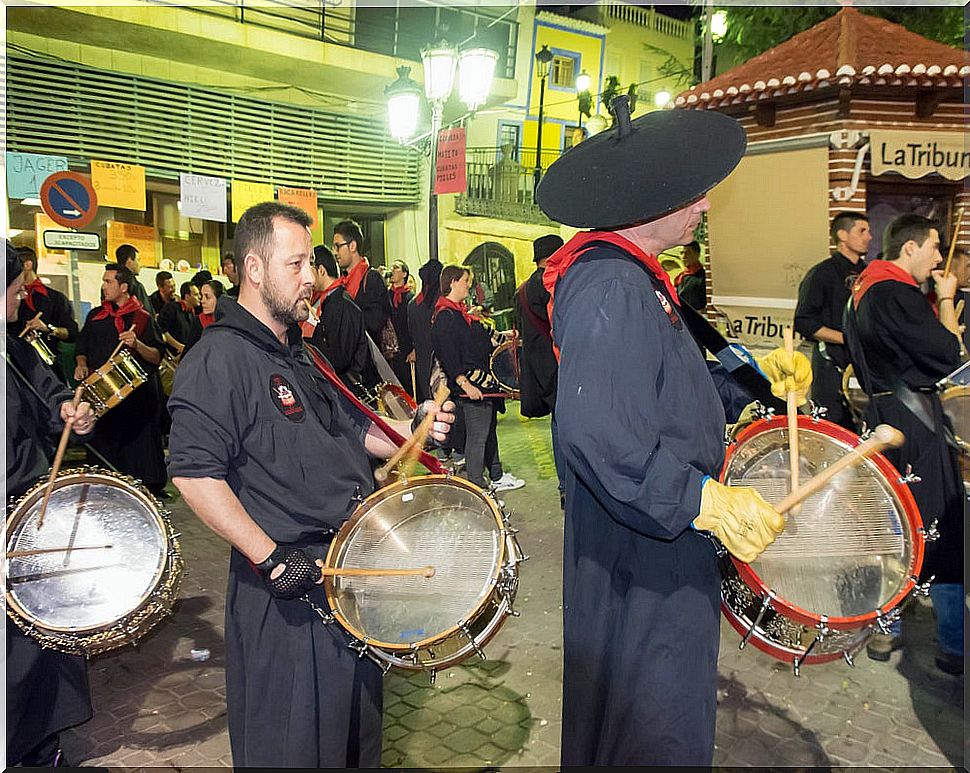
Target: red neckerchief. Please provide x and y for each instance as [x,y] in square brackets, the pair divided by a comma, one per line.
[444,302]
[34,287]
[206,319]
[691,271]
[879,271]
[131,306]
[397,295]
[355,278]
[188,308]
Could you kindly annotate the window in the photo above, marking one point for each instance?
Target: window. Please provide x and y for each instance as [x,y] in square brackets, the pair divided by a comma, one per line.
[563,72]
[510,134]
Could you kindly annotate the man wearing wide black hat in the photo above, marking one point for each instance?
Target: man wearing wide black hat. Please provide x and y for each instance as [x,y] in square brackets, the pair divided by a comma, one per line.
[641,427]
[537,380]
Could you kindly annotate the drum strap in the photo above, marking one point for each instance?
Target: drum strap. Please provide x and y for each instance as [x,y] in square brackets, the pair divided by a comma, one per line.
[91,449]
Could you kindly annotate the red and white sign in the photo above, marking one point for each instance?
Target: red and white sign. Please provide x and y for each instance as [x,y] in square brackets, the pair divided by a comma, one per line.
[449,174]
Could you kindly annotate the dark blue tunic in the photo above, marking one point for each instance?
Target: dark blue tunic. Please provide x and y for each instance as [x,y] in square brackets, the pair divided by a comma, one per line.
[641,425]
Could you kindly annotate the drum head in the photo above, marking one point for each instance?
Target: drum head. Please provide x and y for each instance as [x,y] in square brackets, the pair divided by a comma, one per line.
[850,549]
[504,365]
[87,589]
[447,523]
[395,402]
[956,404]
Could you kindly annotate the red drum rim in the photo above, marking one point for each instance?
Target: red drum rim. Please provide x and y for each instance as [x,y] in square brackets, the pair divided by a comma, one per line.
[902,492]
[773,648]
[401,392]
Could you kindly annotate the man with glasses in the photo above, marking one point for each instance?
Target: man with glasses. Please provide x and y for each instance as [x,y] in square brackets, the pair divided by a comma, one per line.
[363,283]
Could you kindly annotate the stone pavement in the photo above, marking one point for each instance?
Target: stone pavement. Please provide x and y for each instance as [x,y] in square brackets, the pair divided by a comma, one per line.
[156,706]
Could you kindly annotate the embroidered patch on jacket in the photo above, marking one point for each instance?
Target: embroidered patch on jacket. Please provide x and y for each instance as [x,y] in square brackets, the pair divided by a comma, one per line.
[285,399]
[667,307]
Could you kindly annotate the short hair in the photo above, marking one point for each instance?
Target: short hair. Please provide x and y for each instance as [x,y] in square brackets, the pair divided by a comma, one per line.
[322,256]
[845,221]
[228,257]
[185,288]
[125,253]
[694,246]
[201,277]
[450,274]
[122,274]
[905,228]
[351,232]
[256,228]
[27,253]
[404,266]
[217,288]
[162,277]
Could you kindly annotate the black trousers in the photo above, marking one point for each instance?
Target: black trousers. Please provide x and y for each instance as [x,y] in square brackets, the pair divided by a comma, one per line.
[827,391]
[481,442]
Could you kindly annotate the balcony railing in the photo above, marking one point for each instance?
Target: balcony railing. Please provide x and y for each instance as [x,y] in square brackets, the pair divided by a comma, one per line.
[651,20]
[398,30]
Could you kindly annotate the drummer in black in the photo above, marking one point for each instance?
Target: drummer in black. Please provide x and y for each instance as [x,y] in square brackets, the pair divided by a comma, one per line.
[45,310]
[399,295]
[900,349]
[47,691]
[822,296]
[180,326]
[128,435]
[272,457]
[420,310]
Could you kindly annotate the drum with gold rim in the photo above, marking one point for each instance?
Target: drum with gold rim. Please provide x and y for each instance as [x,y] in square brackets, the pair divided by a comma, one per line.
[108,385]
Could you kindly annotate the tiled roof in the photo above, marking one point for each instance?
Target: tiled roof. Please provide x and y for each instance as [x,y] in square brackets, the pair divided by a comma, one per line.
[845,49]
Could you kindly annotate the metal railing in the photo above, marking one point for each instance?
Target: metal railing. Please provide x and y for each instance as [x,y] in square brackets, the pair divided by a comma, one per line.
[501,185]
[651,20]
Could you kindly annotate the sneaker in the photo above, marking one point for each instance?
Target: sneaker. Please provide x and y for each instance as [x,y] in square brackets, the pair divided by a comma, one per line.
[949,663]
[882,645]
[458,461]
[508,482]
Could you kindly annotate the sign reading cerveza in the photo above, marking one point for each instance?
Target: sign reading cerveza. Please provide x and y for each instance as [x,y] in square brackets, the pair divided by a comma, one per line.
[917,154]
[71,240]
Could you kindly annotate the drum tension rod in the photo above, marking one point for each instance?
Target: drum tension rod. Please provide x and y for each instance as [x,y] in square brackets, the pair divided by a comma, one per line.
[884,622]
[910,477]
[325,616]
[922,588]
[765,605]
[823,631]
[848,658]
[931,533]
[463,627]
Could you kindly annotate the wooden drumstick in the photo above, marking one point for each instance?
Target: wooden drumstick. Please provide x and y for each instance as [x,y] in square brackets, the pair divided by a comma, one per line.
[41,551]
[424,571]
[883,437]
[792,399]
[59,456]
[953,243]
[414,379]
[417,437]
[27,329]
[313,314]
[120,344]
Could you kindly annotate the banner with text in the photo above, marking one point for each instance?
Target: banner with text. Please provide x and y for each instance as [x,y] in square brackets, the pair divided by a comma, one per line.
[245,194]
[449,175]
[918,154]
[203,197]
[143,238]
[26,172]
[119,185]
[302,198]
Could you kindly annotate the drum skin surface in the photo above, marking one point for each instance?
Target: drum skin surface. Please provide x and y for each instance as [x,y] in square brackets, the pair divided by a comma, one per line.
[112,592]
[849,554]
[504,364]
[417,622]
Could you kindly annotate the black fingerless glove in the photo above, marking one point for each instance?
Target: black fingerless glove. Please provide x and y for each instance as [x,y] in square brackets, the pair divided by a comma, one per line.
[300,574]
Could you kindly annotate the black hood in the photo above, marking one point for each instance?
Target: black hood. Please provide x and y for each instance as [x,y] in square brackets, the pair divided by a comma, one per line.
[235,317]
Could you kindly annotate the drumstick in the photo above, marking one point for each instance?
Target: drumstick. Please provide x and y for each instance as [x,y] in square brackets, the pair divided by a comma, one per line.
[416,439]
[58,457]
[120,344]
[313,314]
[792,399]
[424,571]
[953,243]
[414,379]
[40,551]
[27,329]
[883,437]
[959,309]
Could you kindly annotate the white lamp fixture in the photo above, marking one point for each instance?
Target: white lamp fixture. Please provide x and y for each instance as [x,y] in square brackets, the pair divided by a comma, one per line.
[595,124]
[661,98]
[583,81]
[403,105]
[439,71]
[476,69]
[718,25]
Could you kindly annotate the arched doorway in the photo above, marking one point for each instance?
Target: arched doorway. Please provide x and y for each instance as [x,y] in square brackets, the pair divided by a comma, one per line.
[495,266]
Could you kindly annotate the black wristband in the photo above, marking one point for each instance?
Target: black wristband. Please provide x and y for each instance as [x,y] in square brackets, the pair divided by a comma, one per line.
[274,558]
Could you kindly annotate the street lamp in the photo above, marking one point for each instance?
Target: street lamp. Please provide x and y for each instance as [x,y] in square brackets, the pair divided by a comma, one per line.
[476,69]
[543,60]
[583,83]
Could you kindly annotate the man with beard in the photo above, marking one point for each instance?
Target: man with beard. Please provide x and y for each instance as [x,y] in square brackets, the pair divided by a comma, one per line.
[642,431]
[164,294]
[363,283]
[47,691]
[272,457]
[128,435]
[822,297]
[180,326]
[44,310]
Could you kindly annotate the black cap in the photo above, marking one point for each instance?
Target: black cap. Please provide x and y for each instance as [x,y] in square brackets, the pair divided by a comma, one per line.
[15,265]
[641,170]
[544,246]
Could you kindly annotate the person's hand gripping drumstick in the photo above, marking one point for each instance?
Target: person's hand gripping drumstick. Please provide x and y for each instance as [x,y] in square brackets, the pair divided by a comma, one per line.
[420,434]
[75,414]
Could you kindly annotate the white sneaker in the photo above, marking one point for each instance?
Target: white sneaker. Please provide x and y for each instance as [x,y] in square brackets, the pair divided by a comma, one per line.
[508,482]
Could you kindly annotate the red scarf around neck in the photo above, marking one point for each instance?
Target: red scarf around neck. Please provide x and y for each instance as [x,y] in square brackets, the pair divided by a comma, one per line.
[355,278]
[444,302]
[34,287]
[689,271]
[206,319]
[187,307]
[397,295]
[879,271]
[131,306]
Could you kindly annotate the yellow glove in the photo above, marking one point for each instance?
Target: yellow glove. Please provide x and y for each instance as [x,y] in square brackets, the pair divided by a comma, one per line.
[787,373]
[740,518]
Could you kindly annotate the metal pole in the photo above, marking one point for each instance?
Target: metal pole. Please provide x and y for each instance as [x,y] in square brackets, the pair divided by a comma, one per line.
[75,286]
[707,53]
[537,174]
[437,110]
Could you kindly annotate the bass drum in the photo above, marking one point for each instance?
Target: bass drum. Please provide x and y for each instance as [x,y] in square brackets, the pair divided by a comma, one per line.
[505,364]
[419,623]
[101,571]
[847,560]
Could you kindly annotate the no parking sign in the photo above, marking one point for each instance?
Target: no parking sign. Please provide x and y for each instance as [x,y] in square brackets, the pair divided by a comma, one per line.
[68,199]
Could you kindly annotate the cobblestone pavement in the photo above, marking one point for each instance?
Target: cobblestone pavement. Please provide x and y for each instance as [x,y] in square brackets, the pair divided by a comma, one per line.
[156,706]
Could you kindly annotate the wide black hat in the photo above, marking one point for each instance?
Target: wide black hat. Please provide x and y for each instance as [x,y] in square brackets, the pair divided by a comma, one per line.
[544,246]
[15,265]
[641,170]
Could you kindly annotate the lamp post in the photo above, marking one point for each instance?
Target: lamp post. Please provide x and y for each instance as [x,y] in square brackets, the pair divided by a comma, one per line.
[543,60]
[583,83]
[476,69]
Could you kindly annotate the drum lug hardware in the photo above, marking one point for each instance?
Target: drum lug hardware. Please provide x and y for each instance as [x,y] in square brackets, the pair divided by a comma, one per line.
[823,631]
[818,411]
[432,673]
[357,497]
[763,412]
[765,605]
[885,622]
[910,477]
[922,588]
[359,647]
[931,534]
[463,627]
[325,616]
[848,658]
[522,558]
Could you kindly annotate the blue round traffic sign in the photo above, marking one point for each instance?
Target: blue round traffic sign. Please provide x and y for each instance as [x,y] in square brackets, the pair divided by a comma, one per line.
[68,199]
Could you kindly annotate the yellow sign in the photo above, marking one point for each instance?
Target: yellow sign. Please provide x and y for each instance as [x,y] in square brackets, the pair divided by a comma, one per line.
[918,154]
[245,194]
[43,223]
[119,185]
[143,238]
